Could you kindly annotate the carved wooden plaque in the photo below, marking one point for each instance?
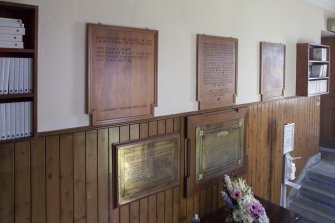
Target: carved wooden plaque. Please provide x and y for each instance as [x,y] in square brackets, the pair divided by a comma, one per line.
[272,71]
[122,73]
[216,71]
[145,167]
[215,147]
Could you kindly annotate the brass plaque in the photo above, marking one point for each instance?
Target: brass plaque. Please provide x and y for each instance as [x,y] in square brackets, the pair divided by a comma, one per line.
[219,149]
[147,167]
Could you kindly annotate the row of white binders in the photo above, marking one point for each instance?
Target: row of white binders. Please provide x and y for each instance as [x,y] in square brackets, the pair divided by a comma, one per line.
[11,33]
[16,120]
[16,75]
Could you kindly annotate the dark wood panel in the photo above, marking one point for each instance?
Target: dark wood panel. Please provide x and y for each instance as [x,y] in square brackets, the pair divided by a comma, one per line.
[103,204]
[91,177]
[7,211]
[79,187]
[66,178]
[38,199]
[69,175]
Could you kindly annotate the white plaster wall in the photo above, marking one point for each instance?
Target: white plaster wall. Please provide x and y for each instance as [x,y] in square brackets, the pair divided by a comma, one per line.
[62,46]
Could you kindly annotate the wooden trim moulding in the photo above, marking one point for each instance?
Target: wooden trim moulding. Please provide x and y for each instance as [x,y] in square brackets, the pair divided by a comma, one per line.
[177,115]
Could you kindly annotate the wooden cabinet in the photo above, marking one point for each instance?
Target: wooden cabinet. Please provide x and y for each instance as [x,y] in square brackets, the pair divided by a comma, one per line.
[312,69]
[26,57]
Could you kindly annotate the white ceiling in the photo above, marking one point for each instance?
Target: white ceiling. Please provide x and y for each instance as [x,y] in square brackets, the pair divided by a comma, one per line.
[325,4]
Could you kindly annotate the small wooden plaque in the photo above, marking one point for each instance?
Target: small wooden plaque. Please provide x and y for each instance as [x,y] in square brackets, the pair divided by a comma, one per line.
[272,71]
[122,73]
[145,167]
[216,71]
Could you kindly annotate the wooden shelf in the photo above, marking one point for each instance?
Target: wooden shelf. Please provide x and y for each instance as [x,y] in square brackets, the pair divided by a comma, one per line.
[28,14]
[310,86]
[16,96]
[14,50]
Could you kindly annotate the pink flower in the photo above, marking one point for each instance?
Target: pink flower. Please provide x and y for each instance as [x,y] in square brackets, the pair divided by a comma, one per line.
[236,194]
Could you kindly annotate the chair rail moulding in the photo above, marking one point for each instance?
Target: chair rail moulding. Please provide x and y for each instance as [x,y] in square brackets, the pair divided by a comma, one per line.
[122,73]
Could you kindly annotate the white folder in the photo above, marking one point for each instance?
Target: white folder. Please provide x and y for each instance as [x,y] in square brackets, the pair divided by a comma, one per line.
[2,73]
[12,120]
[11,76]
[6,75]
[16,75]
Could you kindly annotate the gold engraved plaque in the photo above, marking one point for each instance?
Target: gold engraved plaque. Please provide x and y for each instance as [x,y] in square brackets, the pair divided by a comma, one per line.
[147,167]
[219,149]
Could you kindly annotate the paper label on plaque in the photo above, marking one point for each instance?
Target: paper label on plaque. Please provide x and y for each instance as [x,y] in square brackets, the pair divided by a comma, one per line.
[288,138]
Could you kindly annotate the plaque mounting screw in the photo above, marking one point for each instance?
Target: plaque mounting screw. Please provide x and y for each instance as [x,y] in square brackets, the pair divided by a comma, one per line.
[239,162]
[240,123]
[200,176]
[201,133]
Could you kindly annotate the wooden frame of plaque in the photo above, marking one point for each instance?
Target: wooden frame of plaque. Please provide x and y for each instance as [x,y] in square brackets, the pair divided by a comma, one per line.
[144,167]
[216,71]
[272,71]
[215,146]
[122,73]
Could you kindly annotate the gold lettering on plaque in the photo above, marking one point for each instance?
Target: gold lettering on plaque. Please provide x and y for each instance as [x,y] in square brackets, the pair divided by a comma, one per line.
[220,149]
[147,167]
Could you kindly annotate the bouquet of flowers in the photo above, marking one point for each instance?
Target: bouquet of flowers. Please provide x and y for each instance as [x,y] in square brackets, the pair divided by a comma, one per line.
[241,203]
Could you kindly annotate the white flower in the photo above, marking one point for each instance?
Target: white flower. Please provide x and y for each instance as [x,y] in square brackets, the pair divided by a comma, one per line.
[238,215]
[228,182]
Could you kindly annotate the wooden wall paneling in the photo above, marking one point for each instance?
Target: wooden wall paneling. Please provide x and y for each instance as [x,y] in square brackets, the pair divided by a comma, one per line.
[124,209]
[152,215]
[114,137]
[169,125]
[103,189]
[66,178]
[69,174]
[189,208]
[179,125]
[22,182]
[175,191]
[52,181]
[38,196]
[254,150]
[91,177]
[209,208]
[259,153]
[134,206]
[7,211]
[152,209]
[168,206]
[196,204]
[160,207]
[277,152]
[175,203]
[144,202]
[79,177]
[215,197]
[160,199]
[248,143]
[203,203]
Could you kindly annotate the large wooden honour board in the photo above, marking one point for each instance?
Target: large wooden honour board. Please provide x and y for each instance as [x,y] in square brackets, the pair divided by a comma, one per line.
[272,71]
[216,71]
[122,73]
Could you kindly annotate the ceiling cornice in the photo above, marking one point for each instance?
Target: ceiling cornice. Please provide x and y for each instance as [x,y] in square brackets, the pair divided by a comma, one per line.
[324,4]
